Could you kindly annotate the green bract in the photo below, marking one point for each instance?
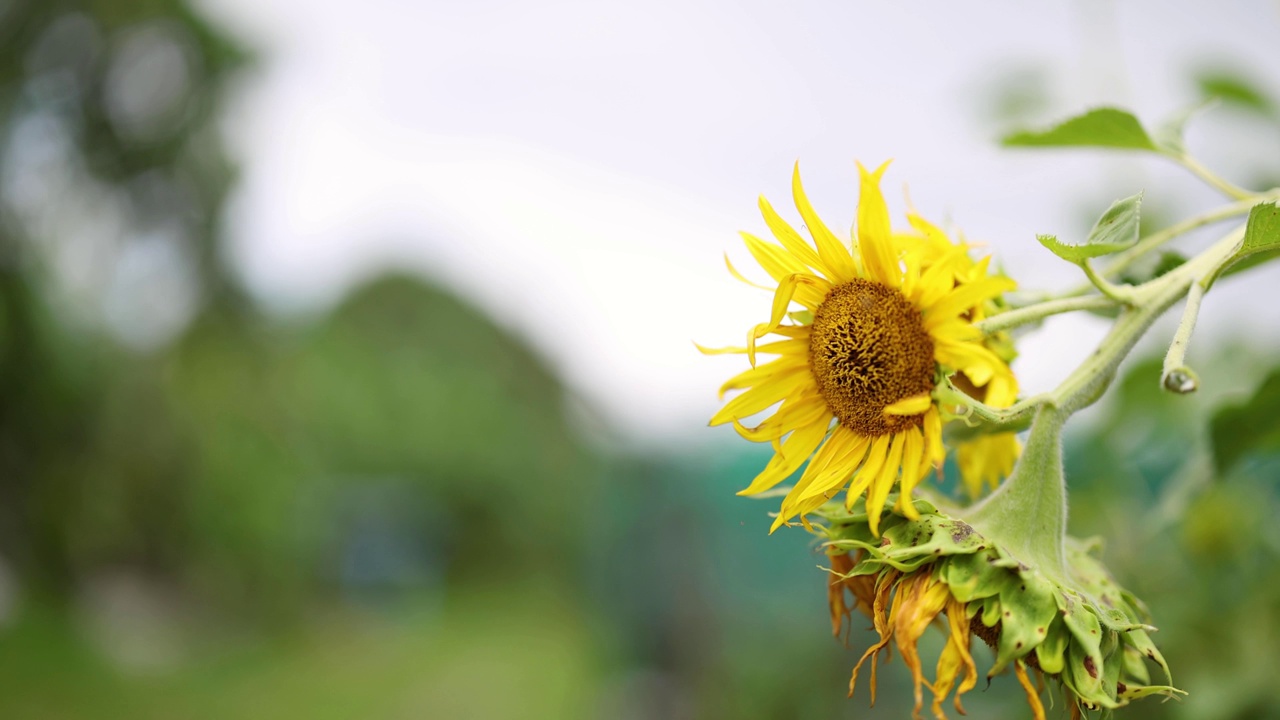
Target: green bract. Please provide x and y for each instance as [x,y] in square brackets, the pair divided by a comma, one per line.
[1088,633]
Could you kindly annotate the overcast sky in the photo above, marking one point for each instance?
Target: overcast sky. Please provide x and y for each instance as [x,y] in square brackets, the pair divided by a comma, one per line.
[578,169]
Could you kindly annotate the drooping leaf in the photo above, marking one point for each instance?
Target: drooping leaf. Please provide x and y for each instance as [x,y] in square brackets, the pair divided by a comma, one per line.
[1116,230]
[1252,426]
[1103,127]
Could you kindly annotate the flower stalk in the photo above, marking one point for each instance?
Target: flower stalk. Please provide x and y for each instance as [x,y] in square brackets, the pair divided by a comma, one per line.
[1176,376]
[1027,514]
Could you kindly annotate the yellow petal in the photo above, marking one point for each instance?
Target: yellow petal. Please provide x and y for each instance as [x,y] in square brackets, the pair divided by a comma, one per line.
[955,330]
[789,238]
[813,293]
[828,469]
[964,297]
[760,373]
[936,282]
[1002,391]
[869,470]
[833,465]
[835,256]
[924,600]
[883,483]
[780,347]
[781,301]
[913,405]
[1033,697]
[875,239]
[773,390]
[739,276]
[935,453]
[955,657]
[790,456]
[884,585]
[986,460]
[912,452]
[796,411]
[775,260]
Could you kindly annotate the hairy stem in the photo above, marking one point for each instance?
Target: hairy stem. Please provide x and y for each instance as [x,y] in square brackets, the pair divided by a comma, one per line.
[1212,179]
[1039,311]
[1027,515]
[1176,376]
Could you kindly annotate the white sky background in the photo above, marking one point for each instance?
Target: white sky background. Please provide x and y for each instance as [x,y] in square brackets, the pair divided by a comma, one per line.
[577,169]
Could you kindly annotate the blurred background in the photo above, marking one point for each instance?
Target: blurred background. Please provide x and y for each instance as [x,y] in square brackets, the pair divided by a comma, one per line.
[346,363]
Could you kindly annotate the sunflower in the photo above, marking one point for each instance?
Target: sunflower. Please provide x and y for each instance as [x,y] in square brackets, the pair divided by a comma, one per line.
[855,370]
[983,460]
[1086,633]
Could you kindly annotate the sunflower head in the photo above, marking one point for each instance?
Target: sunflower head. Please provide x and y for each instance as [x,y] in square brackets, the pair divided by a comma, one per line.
[1084,631]
[880,318]
[868,349]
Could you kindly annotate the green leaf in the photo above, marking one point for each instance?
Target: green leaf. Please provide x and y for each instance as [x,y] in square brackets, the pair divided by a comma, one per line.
[1116,230]
[1252,261]
[1261,242]
[1234,89]
[1239,430]
[1262,233]
[1103,127]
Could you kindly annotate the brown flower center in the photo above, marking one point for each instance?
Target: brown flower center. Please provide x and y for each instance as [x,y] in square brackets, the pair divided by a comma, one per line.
[868,349]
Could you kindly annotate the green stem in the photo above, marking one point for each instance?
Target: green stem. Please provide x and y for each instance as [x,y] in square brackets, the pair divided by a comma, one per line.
[1176,376]
[1150,300]
[1234,192]
[1027,515]
[1039,311]
[1116,292]
[1122,260]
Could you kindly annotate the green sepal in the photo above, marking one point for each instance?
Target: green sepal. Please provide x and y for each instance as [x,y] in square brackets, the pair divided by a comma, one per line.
[991,611]
[1134,692]
[1086,631]
[908,544]
[1084,655]
[1112,663]
[1135,666]
[801,317]
[1084,676]
[1052,653]
[1027,607]
[1140,641]
[970,577]
[1115,608]
[1102,127]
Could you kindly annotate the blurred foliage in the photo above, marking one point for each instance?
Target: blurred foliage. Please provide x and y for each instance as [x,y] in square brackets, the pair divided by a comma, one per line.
[207,513]
[1201,548]
[1249,427]
[1234,87]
